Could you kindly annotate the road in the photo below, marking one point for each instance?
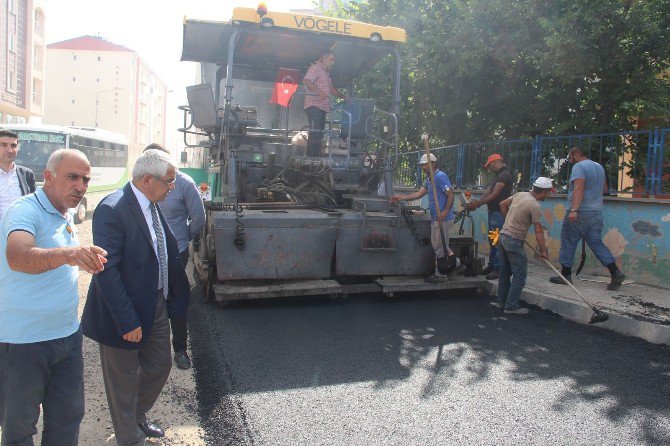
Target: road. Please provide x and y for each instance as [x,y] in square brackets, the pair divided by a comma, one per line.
[421,371]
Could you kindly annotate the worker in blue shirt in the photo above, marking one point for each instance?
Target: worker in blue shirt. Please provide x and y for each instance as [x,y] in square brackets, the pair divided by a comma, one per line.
[440,220]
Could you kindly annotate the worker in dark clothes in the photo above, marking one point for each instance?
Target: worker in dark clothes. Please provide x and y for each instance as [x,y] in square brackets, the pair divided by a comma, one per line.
[500,189]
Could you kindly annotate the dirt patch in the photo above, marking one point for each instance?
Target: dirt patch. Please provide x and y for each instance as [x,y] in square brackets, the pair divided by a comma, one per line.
[642,310]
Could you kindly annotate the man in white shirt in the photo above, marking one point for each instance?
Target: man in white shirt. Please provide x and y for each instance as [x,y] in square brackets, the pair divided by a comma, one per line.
[15,180]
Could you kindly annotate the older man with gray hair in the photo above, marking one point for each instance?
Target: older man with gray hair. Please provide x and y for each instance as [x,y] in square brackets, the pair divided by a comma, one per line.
[127,307]
[40,340]
[185,213]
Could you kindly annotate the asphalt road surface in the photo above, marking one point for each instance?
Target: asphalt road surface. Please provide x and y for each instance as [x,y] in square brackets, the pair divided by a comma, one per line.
[422,370]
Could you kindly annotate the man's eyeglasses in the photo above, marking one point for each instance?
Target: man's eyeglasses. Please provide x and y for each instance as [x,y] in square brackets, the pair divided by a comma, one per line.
[166,182]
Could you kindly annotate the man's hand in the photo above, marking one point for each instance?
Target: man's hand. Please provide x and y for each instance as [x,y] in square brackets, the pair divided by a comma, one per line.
[90,258]
[395,198]
[474,204]
[544,254]
[572,217]
[133,336]
[442,215]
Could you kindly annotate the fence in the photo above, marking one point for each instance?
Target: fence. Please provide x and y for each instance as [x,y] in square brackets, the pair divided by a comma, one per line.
[637,163]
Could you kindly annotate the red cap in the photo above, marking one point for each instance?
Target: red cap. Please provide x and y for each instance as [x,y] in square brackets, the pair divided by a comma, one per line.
[492,158]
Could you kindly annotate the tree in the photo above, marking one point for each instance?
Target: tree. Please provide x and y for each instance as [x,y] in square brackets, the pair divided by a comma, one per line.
[485,69]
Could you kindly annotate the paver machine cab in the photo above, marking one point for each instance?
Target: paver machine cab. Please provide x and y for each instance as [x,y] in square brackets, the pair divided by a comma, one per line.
[280,223]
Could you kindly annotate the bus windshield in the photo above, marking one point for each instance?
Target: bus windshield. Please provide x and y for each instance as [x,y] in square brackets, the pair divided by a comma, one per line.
[35,148]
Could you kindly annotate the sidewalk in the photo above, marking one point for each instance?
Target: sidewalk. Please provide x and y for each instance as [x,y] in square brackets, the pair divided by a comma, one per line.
[634,309]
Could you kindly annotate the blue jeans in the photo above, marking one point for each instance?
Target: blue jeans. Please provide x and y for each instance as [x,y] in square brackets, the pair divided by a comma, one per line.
[496,221]
[514,264]
[50,373]
[589,226]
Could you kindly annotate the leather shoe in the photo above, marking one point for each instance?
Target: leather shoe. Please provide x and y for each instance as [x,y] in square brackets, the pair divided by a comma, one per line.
[182,360]
[151,430]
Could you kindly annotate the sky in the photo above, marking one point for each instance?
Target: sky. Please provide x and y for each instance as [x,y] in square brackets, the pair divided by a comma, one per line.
[152,28]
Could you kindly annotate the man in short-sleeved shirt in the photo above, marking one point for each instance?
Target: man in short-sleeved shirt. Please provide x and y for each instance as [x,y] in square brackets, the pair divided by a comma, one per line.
[40,340]
[441,219]
[317,102]
[584,219]
[520,210]
[499,189]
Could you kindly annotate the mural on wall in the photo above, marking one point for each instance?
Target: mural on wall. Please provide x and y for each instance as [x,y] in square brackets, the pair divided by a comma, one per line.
[644,228]
[633,231]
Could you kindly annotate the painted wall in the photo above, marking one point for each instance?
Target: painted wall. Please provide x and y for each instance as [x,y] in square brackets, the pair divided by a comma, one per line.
[637,232]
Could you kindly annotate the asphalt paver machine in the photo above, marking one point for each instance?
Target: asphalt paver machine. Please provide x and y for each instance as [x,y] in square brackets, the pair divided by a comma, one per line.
[280,223]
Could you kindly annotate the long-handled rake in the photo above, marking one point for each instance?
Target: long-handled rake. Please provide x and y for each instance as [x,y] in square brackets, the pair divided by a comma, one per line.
[598,315]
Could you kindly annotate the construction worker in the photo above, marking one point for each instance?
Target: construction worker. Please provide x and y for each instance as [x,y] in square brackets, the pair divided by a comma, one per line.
[440,220]
[499,190]
[520,211]
[584,219]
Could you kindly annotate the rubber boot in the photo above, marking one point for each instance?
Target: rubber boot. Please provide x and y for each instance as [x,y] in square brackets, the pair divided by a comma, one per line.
[617,278]
[557,279]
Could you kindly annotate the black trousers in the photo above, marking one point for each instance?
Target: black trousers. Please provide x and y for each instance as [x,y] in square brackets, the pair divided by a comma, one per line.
[178,325]
[316,118]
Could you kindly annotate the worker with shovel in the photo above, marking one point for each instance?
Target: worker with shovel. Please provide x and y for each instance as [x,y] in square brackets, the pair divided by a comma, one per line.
[519,211]
[440,188]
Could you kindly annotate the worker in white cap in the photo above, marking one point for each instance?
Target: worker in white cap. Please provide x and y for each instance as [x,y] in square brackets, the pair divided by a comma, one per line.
[440,219]
[520,211]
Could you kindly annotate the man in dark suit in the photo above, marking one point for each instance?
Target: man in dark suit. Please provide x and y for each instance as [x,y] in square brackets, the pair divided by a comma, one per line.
[127,306]
[15,180]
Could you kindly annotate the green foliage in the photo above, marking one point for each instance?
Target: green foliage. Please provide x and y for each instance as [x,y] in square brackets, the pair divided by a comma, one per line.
[487,69]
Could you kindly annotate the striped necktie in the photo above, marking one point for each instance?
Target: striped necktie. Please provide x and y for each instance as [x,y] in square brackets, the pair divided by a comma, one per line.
[160,241]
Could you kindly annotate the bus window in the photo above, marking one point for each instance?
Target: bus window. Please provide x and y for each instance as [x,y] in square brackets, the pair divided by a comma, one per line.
[35,149]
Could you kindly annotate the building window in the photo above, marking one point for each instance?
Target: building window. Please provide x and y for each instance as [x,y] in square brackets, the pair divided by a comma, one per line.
[97,79]
[37,91]
[73,101]
[74,79]
[38,52]
[99,58]
[11,73]
[72,123]
[39,22]
[11,42]
[74,57]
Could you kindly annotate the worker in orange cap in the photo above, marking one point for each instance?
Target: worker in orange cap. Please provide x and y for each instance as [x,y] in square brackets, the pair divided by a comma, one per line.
[500,189]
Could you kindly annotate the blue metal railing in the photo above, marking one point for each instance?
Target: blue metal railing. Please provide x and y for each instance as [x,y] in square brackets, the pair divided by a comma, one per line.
[635,161]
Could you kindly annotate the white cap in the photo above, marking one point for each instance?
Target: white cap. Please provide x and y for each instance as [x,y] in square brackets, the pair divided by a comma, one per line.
[424,158]
[544,183]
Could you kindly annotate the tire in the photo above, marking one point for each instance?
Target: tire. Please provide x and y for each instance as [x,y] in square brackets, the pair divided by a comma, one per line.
[80,213]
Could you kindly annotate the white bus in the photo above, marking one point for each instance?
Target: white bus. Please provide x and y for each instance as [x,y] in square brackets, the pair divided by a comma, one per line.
[106,151]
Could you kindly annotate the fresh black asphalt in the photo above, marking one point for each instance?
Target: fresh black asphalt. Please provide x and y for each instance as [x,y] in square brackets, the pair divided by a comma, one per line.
[420,370]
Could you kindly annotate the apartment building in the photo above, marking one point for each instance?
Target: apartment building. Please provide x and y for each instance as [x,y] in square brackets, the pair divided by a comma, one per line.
[22,56]
[96,83]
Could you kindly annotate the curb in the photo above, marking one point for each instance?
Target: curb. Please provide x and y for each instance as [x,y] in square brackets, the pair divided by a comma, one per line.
[578,312]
